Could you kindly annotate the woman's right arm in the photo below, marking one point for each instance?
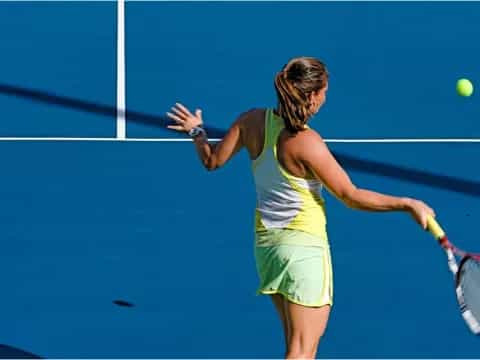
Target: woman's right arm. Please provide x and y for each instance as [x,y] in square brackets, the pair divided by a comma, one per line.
[316,156]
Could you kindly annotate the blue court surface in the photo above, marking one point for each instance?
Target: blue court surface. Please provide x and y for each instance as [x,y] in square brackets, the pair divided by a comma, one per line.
[86,223]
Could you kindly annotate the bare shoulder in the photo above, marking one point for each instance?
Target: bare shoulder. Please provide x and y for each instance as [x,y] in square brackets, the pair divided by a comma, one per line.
[310,137]
[252,125]
[251,116]
[311,144]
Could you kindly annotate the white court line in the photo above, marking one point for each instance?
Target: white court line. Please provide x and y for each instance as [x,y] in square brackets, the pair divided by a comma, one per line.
[351,141]
[93,139]
[121,96]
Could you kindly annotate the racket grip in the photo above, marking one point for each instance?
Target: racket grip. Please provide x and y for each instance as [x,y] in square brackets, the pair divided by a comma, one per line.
[435,228]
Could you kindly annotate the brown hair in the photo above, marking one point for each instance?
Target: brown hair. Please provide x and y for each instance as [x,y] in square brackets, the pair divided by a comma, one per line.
[294,84]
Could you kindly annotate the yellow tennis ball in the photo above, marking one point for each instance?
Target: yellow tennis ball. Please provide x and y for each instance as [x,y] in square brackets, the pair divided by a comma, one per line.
[464,87]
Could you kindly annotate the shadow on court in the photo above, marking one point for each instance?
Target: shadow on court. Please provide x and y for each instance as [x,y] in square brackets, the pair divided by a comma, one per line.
[109,111]
[445,182]
[416,176]
[9,352]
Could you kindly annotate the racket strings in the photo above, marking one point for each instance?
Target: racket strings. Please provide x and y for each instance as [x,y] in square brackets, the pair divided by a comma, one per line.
[468,291]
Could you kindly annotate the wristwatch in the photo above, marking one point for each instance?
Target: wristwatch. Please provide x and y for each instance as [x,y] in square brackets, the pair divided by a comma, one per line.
[196,131]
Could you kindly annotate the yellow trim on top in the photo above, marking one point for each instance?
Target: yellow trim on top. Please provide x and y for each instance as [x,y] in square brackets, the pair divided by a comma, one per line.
[314,220]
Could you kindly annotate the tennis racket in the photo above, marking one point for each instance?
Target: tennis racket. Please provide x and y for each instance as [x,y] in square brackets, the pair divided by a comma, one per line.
[466,273]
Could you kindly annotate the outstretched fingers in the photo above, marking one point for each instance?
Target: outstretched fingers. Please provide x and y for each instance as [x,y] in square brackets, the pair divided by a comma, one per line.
[184,119]
[176,118]
[180,109]
[176,127]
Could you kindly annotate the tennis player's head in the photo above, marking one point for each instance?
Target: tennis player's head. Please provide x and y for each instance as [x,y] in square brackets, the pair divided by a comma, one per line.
[301,89]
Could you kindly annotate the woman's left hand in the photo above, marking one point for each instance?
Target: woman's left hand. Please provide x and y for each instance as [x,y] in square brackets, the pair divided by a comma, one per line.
[185,120]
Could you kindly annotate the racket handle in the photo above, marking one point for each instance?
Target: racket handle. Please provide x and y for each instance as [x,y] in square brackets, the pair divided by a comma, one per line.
[435,228]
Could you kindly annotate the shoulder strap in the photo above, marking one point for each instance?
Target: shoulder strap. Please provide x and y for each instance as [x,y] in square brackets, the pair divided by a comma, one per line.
[273,126]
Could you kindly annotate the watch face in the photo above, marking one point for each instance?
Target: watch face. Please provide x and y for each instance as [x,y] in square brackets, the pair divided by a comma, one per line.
[195,132]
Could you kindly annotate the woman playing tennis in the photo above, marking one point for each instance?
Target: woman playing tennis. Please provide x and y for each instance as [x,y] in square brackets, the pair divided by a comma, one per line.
[291,163]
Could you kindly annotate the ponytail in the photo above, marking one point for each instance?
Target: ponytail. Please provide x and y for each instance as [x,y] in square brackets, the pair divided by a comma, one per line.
[292,104]
[294,85]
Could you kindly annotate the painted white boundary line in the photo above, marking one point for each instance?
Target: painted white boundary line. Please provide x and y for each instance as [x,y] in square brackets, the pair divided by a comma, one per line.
[351,141]
[349,2]
[121,96]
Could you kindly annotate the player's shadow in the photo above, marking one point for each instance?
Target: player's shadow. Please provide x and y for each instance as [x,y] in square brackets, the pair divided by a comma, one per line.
[107,111]
[440,181]
[9,352]
[416,176]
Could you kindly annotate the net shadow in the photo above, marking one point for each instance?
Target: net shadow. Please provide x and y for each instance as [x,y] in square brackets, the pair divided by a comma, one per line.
[407,174]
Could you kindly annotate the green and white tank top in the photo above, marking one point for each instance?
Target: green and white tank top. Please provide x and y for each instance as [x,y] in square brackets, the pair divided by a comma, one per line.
[285,201]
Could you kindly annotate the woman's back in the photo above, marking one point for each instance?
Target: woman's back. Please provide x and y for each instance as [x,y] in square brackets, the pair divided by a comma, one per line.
[253,137]
[285,198]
